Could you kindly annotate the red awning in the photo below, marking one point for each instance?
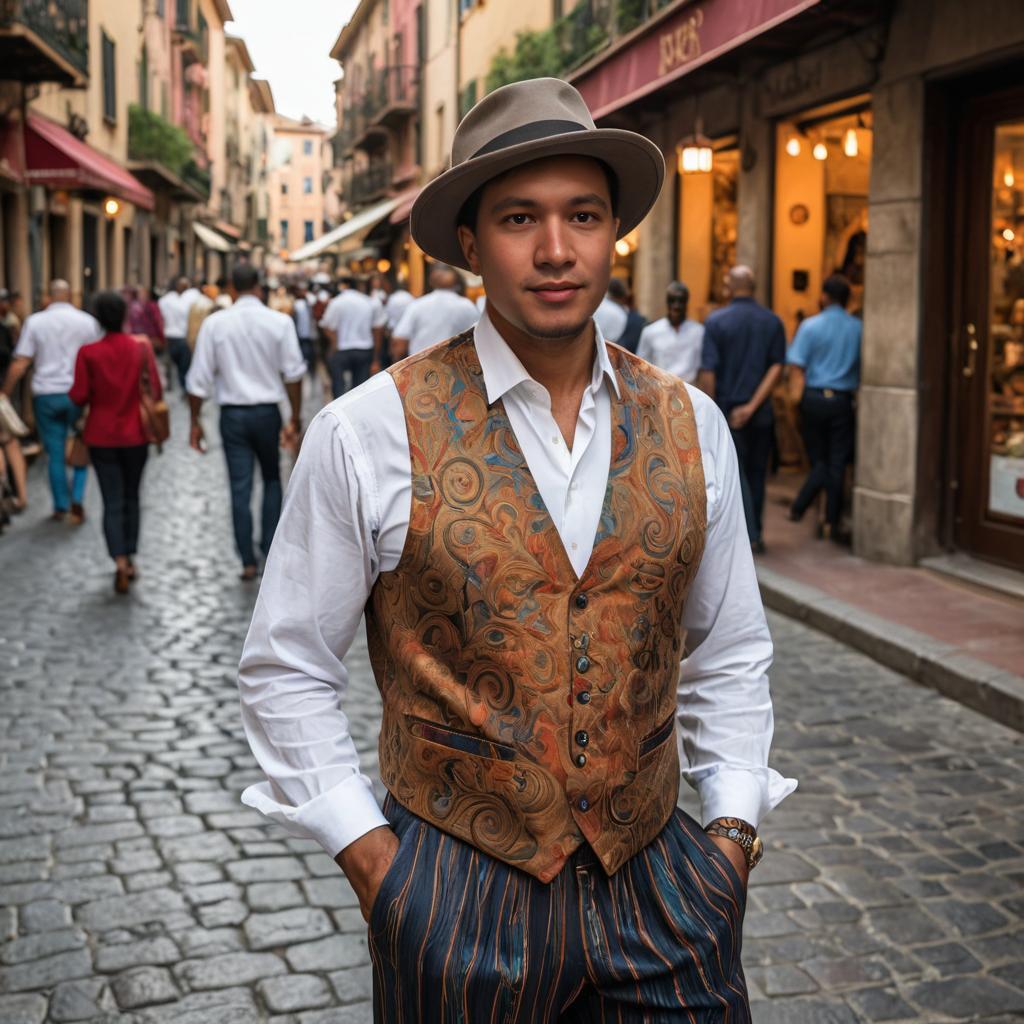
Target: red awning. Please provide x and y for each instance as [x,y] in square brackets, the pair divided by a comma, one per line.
[54,157]
[682,39]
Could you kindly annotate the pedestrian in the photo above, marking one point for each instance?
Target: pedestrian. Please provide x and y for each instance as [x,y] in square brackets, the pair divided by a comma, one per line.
[242,355]
[529,582]
[49,342]
[611,318]
[619,293]
[302,314]
[674,342]
[397,303]
[741,362]
[354,325]
[175,307]
[827,350]
[440,314]
[108,379]
[144,318]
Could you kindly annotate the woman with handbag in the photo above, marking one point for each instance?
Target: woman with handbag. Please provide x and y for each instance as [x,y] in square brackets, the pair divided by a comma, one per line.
[117,378]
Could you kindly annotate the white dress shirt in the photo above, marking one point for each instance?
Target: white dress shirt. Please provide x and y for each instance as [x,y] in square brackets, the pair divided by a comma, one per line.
[353,316]
[611,318]
[174,308]
[51,338]
[436,316]
[303,318]
[242,353]
[396,305]
[345,520]
[673,349]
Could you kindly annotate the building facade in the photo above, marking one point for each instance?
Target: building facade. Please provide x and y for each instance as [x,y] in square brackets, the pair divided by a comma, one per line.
[296,183]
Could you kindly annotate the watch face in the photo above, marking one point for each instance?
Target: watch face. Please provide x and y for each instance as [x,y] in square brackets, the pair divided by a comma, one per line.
[756,851]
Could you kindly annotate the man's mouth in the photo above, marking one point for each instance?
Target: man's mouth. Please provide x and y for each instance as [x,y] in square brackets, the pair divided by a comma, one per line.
[556,291]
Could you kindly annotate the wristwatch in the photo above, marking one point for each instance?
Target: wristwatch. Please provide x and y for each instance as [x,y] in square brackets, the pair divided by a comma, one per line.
[743,834]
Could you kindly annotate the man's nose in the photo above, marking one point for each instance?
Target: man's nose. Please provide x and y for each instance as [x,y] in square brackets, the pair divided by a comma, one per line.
[554,246]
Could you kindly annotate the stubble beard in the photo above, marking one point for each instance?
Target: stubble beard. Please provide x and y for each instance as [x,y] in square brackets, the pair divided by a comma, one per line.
[556,332]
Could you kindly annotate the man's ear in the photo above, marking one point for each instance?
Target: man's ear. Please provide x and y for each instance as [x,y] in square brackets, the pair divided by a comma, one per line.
[467,240]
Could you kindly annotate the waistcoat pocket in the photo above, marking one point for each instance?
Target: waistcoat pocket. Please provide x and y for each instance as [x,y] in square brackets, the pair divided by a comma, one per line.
[654,739]
[456,739]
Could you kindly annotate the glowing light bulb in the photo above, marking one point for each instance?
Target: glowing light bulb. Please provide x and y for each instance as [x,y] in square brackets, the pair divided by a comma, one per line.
[850,146]
[111,206]
[1008,234]
[1008,179]
[622,247]
[793,146]
[820,151]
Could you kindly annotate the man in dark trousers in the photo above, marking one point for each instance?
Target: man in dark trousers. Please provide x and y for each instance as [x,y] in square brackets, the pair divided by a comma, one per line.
[618,292]
[827,351]
[744,349]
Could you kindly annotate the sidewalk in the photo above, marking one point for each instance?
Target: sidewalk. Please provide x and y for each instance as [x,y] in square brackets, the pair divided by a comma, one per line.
[965,641]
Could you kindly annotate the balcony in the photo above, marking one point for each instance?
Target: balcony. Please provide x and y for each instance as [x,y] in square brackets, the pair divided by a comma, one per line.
[394,95]
[368,184]
[45,41]
[161,155]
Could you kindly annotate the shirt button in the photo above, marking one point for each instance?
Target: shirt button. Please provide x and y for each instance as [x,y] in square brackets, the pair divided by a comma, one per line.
[555,440]
[582,738]
[584,697]
[581,760]
[583,804]
[581,600]
[582,664]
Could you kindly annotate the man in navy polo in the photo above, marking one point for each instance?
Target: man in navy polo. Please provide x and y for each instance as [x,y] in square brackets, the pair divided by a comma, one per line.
[741,361]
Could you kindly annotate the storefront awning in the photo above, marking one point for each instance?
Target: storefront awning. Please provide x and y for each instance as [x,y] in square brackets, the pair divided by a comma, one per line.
[357,228]
[56,158]
[405,200]
[681,39]
[210,238]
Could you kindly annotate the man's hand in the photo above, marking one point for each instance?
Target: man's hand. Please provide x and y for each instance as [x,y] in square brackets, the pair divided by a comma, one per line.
[735,854]
[366,862]
[291,435]
[740,416]
[197,439]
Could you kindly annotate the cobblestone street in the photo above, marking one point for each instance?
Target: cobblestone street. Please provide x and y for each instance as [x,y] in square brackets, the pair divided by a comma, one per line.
[136,887]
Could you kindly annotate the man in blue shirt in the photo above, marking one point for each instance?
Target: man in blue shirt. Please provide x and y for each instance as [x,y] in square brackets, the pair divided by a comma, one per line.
[741,361]
[827,349]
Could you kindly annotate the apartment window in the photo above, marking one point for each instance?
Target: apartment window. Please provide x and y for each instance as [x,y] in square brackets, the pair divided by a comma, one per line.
[159,8]
[181,16]
[307,231]
[307,186]
[144,80]
[284,232]
[465,6]
[307,147]
[109,80]
[284,188]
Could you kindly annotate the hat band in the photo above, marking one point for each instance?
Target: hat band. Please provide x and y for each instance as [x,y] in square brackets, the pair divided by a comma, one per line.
[529,133]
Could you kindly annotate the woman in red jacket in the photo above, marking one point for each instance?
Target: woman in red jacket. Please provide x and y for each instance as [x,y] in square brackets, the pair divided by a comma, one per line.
[107,375]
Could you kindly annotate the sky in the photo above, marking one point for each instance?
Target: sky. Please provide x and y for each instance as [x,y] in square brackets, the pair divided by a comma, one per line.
[289,42]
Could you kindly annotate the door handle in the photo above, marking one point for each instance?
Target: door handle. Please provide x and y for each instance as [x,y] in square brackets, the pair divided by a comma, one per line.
[972,351]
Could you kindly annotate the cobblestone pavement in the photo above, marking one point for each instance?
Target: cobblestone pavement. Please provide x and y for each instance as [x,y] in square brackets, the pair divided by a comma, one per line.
[135,887]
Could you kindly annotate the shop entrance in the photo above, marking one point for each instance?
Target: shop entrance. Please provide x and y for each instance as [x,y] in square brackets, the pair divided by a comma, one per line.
[988,329]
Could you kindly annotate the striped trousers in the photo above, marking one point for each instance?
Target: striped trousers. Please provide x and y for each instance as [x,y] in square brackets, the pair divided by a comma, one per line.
[456,936]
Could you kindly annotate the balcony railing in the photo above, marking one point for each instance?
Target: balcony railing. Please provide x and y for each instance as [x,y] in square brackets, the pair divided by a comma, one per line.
[368,184]
[44,41]
[393,94]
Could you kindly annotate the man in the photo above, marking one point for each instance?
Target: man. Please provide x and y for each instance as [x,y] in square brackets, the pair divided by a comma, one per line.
[743,352]
[397,303]
[525,579]
[175,306]
[674,343]
[302,314]
[440,314]
[618,292]
[242,354]
[354,326]
[611,317]
[826,351]
[49,342]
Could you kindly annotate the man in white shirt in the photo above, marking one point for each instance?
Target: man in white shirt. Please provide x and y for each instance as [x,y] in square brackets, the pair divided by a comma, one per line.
[673,343]
[354,325]
[440,314]
[242,355]
[302,314]
[397,303]
[538,527]
[175,306]
[611,318]
[49,342]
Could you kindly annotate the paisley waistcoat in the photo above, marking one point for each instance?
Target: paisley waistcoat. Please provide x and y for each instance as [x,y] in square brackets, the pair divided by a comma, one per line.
[527,711]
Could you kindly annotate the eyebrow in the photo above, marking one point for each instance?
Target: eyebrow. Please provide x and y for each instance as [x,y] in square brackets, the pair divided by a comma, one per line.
[590,199]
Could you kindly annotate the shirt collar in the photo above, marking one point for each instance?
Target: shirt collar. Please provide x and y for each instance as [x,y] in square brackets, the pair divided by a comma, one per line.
[503,371]
[248,300]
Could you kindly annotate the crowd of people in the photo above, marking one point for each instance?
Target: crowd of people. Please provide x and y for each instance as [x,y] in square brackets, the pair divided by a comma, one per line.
[248,345]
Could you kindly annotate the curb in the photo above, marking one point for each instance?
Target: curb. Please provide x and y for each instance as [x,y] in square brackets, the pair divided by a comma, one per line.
[994,692]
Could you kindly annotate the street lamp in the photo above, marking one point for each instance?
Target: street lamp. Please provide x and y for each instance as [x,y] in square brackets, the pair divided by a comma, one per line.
[111,207]
[820,151]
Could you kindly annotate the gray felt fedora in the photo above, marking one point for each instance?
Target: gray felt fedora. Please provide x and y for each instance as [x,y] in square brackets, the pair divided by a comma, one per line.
[518,123]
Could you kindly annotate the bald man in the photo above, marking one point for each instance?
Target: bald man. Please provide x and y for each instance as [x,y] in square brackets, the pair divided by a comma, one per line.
[49,342]
[741,361]
[440,314]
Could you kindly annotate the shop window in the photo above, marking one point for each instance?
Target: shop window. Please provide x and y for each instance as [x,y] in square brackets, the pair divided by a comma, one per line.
[109,79]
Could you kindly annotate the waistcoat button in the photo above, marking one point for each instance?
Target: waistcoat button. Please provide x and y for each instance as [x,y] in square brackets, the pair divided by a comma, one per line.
[581,600]
[584,697]
[581,760]
[583,804]
[582,738]
[582,664]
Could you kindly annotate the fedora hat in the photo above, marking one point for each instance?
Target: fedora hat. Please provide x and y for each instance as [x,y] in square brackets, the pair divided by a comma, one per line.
[526,121]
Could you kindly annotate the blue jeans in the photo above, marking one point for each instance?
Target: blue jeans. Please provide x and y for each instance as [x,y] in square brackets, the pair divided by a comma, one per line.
[55,417]
[252,433]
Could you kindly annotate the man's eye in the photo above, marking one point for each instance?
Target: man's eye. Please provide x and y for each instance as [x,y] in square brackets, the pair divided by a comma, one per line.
[586,213]
[518,218]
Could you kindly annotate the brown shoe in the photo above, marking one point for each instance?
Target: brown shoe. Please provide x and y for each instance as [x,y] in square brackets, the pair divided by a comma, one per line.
[133,573]
[58,516]
[77,516]
[121,582]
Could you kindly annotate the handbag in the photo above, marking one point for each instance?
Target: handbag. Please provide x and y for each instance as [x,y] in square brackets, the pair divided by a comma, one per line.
[10,421]
[76,452]
[156,417]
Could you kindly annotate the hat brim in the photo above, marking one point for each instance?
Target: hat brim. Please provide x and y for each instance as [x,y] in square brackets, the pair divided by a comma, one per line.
[635,161]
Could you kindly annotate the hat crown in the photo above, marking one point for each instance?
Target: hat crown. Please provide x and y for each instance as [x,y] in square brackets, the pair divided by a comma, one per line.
[517,106]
